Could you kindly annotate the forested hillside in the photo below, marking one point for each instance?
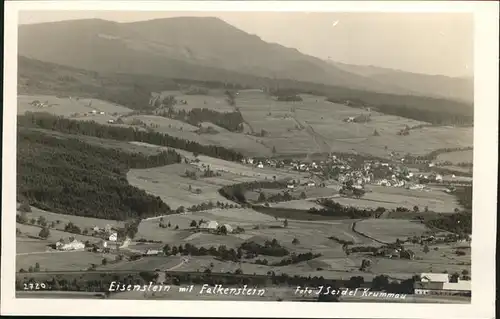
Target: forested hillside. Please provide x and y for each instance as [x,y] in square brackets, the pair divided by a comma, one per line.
[90,128]
[68,176]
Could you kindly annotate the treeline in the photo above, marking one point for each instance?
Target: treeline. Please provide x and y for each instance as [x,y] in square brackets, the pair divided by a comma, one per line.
[91,128]
[236,192]
[210,205]
[464,195]
[411,159]
[270,248]
[296,258]
[430,110]
[332,208]
[221,252]
[231,121]
[459,223]
[341,241]
[71,177]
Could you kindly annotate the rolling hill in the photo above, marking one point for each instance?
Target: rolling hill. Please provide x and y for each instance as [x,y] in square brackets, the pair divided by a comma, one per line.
[421,84]
[195,48]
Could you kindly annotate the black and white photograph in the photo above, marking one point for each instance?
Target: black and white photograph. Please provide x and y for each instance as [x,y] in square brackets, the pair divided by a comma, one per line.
[232,154]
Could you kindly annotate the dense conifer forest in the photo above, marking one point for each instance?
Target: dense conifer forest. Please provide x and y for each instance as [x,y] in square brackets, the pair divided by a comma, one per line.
[90,128]
[71,177]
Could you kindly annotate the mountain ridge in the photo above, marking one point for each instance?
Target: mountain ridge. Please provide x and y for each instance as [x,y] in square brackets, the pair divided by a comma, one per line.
[183,47]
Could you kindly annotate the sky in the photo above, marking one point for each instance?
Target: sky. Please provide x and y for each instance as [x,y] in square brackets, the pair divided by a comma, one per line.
[430,43]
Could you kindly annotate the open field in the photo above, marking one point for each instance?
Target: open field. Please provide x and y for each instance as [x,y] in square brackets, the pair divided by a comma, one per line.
[55,235]
[161,124]
[82,222]
[169,183]
[457,157]
[292,127]
[68,107]
[324,129]
[59,261]
[388,230]
[247,145]
[244,173]
[392,197]
[145,264]
[441,260]
[26,245]
[297,204]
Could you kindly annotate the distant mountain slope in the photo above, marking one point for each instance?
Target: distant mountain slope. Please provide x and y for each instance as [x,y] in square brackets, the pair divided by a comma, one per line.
[134,91]
[196,48]
[459,88]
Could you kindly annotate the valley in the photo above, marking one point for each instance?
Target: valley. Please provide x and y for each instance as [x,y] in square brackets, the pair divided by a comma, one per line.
[195,173]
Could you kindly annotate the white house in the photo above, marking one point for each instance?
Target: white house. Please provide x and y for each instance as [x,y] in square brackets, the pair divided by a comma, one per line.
[113,237]
[260,165]
[434,277]
[102,113]
[439,178]
[72,245]
[152,252]
[211,224]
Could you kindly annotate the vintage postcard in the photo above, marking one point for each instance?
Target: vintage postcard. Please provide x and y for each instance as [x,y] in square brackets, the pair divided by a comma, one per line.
[250,159]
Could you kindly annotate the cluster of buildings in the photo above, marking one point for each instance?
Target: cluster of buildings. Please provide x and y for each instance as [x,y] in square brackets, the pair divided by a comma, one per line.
[367,172]
[440,284]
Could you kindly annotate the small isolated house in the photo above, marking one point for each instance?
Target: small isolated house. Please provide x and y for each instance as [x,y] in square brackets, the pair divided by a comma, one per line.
[72,245]
[152,252]
[434,277]
[212,225]
[113,237]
